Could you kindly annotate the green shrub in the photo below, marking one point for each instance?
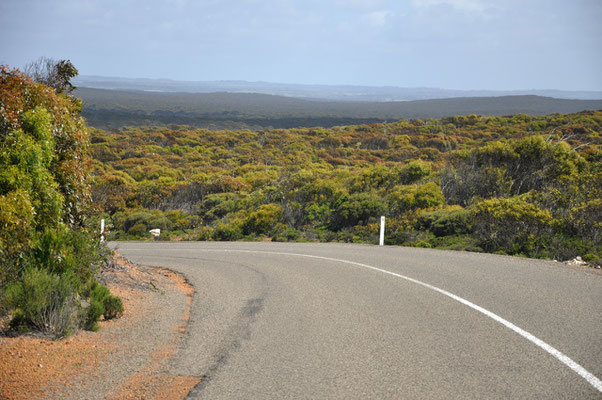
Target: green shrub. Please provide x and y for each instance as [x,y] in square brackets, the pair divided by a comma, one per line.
[132,219]
[407,237]
[327,236]
[218,205]
[159,221]
[205,233]
[420,243]
[113,307]
[96,308]
[139,223]
[102,303]
[563,247]
[90,286]
[406,198]
[504,169]
[138,230]
[226,232]
[17,222]
[47,256]
[44,301]
[63,250]
[512,226]
[99,293]
[43,166]
[446,222]
[455,242]
[291,234]
[414,171]
[263,220]
[593,259]
[357,209]
[93,313]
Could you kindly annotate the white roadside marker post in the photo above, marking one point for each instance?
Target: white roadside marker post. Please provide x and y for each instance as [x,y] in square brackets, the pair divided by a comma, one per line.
[382,231]
[102,230]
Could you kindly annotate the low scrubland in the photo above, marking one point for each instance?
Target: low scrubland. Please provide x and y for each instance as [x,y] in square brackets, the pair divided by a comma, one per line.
[519,185]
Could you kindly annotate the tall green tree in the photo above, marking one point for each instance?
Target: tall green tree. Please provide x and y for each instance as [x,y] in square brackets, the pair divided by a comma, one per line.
[43,166]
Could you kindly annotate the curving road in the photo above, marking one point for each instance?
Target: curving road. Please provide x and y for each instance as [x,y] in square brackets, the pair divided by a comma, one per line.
[336,321]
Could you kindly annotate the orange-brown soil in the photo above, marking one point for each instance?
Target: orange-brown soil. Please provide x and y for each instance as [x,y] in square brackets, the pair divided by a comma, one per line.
[36,367]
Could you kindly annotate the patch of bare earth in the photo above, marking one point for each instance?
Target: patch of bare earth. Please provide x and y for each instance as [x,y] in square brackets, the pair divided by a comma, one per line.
[127,359]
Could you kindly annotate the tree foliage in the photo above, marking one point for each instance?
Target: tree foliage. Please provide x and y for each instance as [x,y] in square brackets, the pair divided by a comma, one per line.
[46,252]
[52,73]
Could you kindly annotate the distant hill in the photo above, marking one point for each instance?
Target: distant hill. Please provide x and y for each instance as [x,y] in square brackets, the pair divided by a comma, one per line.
[324,92]
[113,109]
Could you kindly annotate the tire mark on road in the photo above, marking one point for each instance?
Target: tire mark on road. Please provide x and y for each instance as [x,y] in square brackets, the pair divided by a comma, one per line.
[239,332]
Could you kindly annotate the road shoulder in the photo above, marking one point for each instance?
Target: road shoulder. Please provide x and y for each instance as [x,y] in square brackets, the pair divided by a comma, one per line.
[128,358]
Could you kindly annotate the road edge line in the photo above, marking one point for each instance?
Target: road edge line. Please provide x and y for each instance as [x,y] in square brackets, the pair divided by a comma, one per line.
[563,358]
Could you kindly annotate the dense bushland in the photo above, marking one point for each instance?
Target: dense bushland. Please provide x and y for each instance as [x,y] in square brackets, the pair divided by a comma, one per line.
[517,185]
[112,109]
[47,255]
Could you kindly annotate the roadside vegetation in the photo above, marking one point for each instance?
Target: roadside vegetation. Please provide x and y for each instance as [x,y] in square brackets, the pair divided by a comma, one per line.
[520,185]
[48,253]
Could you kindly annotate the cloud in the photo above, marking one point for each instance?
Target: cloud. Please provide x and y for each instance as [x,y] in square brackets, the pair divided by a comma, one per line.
[446,43]
[377,18]
[359,5]
[178,3]
[471,6]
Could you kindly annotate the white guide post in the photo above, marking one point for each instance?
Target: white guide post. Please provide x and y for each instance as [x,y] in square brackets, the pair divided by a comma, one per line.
[102,230]
[382,231]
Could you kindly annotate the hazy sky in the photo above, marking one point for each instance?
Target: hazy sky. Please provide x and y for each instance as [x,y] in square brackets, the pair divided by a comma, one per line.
[456,44]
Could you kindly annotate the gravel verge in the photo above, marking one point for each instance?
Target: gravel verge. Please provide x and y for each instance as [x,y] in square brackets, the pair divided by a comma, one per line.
[127,359]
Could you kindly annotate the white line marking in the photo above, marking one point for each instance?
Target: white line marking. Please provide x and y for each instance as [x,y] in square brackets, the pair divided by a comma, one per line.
[585,374]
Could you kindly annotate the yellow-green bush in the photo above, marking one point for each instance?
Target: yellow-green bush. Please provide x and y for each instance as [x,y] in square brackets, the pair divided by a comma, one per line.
[47,253]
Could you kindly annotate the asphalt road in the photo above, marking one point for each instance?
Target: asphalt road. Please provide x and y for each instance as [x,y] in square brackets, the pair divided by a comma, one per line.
[336,321]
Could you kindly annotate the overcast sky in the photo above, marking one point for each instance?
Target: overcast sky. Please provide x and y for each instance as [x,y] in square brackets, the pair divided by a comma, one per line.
[455,44]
